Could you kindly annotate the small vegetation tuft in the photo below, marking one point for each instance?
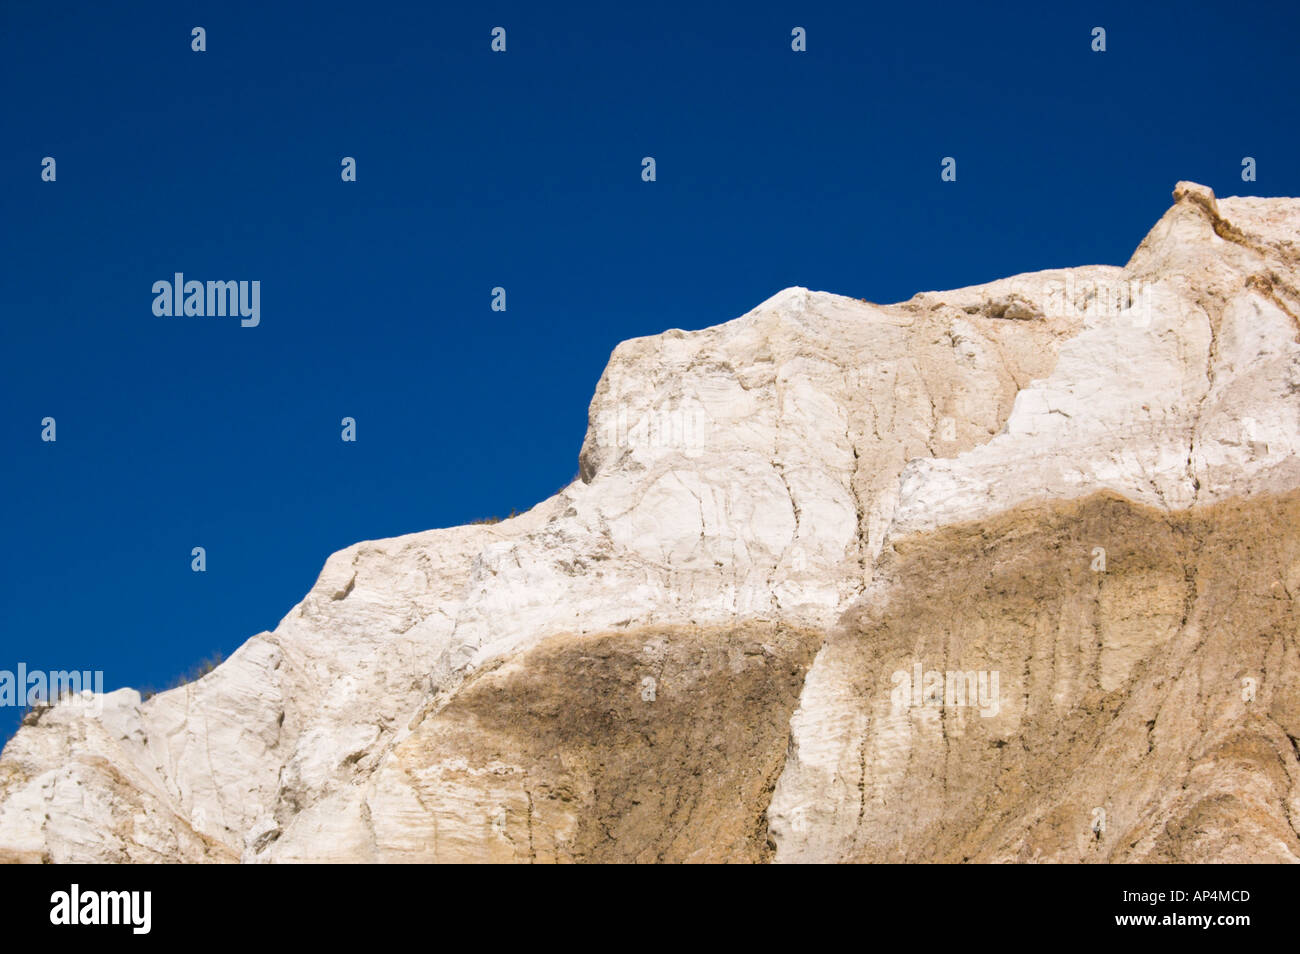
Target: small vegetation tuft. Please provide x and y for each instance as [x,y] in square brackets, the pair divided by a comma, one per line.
[196,672]
[481,521]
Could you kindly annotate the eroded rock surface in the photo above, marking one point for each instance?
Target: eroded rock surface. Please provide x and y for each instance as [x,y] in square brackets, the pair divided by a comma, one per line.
[1148,711]
[798,481]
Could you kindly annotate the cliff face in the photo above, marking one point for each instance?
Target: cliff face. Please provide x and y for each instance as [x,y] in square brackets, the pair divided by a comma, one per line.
[1080,485]
[1149,712]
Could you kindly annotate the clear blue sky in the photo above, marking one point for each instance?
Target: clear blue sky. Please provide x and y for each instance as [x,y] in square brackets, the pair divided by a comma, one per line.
[521,170]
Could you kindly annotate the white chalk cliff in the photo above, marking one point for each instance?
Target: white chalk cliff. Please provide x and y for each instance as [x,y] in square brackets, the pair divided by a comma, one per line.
[686,654]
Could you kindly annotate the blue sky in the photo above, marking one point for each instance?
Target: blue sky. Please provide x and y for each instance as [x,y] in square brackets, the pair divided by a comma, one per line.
[519,170]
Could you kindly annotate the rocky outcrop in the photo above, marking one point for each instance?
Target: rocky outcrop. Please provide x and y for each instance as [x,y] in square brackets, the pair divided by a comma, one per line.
[1185,397]
[687,654]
